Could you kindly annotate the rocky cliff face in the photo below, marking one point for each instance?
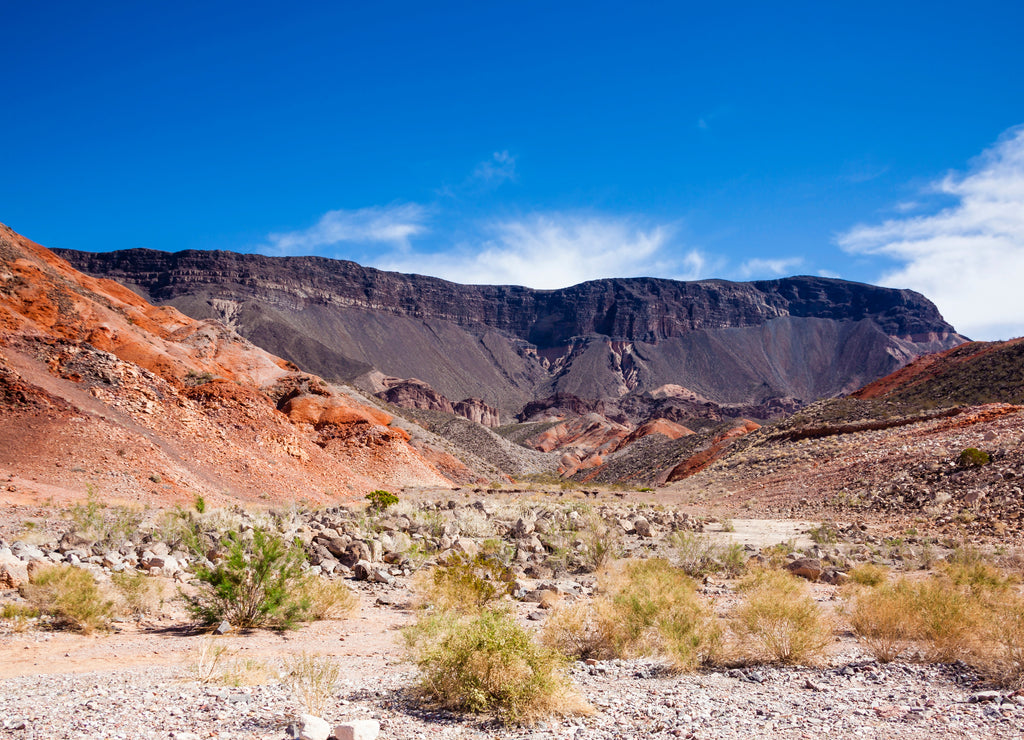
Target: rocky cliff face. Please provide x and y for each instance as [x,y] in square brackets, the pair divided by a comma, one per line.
[796,338]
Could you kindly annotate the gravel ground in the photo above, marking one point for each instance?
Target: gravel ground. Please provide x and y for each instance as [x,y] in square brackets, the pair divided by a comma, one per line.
[631,699]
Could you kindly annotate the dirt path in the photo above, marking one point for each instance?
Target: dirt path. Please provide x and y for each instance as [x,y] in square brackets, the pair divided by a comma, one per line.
[370,637]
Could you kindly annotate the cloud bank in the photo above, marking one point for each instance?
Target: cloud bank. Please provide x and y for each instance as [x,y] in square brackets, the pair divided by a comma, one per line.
[968,257]
[556,250]
[393,225]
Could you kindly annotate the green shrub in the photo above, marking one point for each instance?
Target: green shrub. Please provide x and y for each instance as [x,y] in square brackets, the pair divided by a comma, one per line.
[824,534]
[698,556]
[486,663]
[972,457]
[256,585]
[200,504]
[381,500]
[70,596]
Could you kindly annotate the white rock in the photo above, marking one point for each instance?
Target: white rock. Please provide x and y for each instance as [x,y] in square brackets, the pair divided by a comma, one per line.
[359,729]
[313,728]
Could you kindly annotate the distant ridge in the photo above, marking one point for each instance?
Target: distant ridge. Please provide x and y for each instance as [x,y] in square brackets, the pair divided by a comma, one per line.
[798,338]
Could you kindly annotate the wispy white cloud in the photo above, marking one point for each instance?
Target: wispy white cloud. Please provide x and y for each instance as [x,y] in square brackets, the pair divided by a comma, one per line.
[759,267]
[555,250]
[495,170]
[393,224]
[968,257]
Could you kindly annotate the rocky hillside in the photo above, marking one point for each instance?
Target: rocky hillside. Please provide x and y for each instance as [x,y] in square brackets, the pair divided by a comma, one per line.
[102,391]
[786,341]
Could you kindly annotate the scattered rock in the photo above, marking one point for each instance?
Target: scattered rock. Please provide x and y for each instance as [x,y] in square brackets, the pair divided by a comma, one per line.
[360,729]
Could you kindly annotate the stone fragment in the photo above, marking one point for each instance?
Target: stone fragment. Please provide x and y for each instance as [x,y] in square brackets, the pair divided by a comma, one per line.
[642,527]
[359,729]
[466,546]
[984,697]
[13,572]
[313,728]
[380,575]
[361,570]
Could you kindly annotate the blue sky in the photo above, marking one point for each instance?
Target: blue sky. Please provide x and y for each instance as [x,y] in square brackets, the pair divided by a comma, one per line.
[534,143]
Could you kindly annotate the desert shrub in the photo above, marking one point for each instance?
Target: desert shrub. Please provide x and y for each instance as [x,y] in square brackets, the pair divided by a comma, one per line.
[256,585]
[183,530]
[111,526]
[777,553]
[880,618]
[646,607]
[944,620]
[207,660]
[140,593]
[70,596]
[245,672]
[778,622]
[199,504]
[972,457]
[979,578]
[381,500]
[999,650]
[465,584]
[19,617]
[327,599]
[869,574]
[825,533]
[600,543]
[486,663]
[698,556]
[313,680]
[11,610]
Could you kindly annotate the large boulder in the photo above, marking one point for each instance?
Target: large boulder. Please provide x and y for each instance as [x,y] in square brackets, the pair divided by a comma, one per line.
[808,568]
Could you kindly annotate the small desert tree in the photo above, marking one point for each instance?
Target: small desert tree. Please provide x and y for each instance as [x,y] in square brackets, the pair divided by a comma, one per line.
[257,584]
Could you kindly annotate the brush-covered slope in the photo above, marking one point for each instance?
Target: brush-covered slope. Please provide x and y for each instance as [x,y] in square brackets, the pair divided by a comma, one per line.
[101,390]
[731,343]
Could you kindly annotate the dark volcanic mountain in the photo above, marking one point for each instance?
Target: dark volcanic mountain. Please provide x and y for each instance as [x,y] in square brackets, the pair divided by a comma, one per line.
[711,341]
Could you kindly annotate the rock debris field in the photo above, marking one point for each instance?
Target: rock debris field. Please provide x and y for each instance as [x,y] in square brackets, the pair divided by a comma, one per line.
[152,677]
[630,699]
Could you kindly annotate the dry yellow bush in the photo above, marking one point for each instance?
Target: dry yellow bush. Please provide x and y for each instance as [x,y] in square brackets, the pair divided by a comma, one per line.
[140,594]
[487,663]
[313,680]
[880,618]
[869,574]
[999,651]
[646,607]
[327,599]
[70,596]
[778,621]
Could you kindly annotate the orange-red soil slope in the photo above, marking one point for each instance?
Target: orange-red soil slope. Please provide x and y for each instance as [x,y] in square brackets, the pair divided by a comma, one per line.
[101,391]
